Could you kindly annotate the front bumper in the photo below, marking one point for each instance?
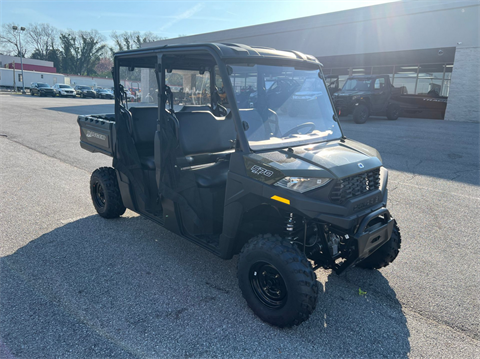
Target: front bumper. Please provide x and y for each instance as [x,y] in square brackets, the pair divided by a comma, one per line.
[47,93]
[374,231]
[344,107]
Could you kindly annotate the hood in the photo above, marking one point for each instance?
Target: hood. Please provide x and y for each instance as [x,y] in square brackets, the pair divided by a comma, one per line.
[333,159]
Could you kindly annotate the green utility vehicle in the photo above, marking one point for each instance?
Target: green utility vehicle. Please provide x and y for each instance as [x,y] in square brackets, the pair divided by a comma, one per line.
[287,194]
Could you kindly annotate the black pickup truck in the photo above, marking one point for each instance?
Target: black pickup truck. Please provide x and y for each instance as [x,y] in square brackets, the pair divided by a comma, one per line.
[367,95]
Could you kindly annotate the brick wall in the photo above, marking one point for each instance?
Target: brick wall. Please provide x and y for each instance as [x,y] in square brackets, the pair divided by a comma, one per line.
[464,97]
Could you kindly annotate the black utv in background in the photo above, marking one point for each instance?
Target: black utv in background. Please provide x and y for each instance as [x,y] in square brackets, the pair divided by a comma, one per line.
[367,95]
[287,195]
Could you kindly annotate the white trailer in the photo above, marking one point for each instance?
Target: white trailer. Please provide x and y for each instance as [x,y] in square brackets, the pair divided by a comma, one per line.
[6,78]
[93,82]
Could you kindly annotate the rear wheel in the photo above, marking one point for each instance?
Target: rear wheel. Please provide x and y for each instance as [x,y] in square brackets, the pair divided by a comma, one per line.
[386,254]
[277,281]
[393,112]
[105,193]
[361,113]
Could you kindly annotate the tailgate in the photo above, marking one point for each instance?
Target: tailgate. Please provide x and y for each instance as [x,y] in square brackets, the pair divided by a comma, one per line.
[96,133]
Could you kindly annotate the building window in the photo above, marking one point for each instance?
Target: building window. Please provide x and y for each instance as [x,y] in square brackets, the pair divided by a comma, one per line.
[41,76]
[383,70]
[430,80]
[361,70]
[406,77]
[446,79]
[342,74]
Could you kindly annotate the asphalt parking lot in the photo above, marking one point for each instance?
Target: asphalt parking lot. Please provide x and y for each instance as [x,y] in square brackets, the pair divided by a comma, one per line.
[74,285]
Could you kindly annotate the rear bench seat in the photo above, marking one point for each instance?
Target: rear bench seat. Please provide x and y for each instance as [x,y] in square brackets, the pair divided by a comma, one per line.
[200,132]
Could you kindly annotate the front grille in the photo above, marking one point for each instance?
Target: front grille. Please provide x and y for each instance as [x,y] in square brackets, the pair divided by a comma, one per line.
[355,186]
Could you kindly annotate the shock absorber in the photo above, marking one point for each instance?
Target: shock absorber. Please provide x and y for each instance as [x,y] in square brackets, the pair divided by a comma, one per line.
[290,227]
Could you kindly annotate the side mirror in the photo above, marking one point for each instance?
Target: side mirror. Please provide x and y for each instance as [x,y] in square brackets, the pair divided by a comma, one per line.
[131,68]
[229,70]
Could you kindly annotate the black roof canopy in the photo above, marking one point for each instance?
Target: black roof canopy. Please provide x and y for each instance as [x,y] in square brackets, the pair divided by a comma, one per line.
[198,55]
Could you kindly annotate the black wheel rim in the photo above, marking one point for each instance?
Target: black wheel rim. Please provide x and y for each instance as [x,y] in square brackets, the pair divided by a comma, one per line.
[268,285]
[363,114]
[99,195]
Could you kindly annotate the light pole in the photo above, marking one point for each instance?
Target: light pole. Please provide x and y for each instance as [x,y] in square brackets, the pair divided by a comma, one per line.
[21,55]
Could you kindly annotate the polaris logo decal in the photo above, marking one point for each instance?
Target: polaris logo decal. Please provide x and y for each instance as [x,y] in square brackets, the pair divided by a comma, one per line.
[360,164]
[96,135]
[261,171]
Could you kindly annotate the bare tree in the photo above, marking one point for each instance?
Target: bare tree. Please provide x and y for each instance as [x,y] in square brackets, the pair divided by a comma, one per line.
[131,40]
[9,40]
[43,38]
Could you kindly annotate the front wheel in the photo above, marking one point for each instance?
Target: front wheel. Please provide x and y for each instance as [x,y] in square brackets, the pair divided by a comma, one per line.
[361,113]
[393,112]
[386,254]
[277,281]
[105,193]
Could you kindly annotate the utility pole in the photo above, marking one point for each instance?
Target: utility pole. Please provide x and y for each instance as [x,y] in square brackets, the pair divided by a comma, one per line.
[21,55]
[14,82]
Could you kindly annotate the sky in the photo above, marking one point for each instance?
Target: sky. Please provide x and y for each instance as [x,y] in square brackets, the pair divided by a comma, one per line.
[165,18]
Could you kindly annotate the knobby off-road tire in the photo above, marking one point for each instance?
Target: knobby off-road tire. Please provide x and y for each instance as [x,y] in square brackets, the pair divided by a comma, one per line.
[393,112]
[361,114]
[277,281]
[105,193]
[386,254]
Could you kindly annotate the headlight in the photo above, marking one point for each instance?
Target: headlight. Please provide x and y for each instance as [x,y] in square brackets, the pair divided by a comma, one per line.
[301,184]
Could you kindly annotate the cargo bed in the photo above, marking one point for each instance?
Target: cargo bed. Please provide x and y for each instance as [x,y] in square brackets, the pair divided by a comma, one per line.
[96,133]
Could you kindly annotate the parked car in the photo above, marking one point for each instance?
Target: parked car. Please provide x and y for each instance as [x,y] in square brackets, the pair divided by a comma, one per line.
[41,89]
[103,93]
[85,91]
[63,90]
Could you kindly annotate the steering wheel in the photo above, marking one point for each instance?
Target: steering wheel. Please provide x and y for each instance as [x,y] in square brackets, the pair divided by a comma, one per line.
[299,127]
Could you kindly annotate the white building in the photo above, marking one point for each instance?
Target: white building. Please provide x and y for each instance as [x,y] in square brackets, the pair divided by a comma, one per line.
[417,42]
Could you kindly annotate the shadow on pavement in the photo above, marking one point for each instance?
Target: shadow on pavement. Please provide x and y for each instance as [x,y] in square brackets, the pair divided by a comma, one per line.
[85,109]
[443,149]
[128,288]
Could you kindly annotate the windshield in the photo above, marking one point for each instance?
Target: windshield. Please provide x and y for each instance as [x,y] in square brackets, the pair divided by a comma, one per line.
[357,85]
[84,88]
[282,106]
[43,85]
[64,86]
[312,85]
